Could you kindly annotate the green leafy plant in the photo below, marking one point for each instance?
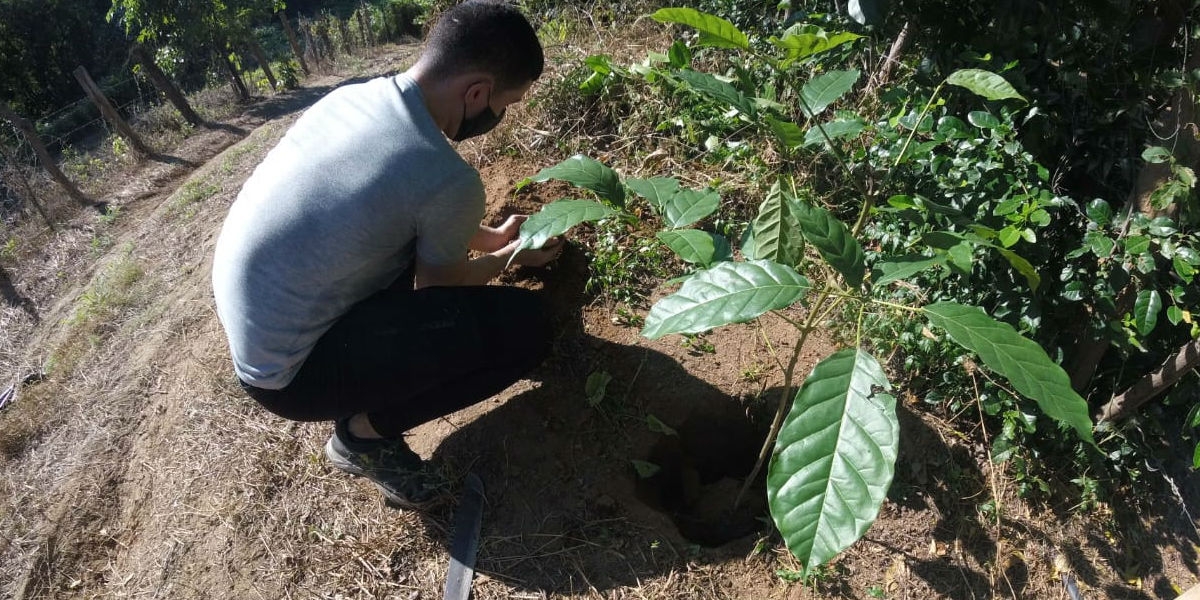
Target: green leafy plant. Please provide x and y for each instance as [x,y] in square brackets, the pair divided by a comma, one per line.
[833,444]
[846,397]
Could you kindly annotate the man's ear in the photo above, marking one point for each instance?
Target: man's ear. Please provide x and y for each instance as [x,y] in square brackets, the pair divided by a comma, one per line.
[479,91]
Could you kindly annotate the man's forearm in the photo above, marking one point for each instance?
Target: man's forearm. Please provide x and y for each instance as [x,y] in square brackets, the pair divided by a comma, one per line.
[486,239]
[482,269]
[476,271]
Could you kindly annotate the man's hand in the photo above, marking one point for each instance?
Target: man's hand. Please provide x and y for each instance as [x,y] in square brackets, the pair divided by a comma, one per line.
[492,239]
[511,228]
[498,244]
[536,258]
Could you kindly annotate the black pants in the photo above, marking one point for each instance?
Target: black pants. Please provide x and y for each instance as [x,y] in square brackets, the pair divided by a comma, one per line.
[406,357]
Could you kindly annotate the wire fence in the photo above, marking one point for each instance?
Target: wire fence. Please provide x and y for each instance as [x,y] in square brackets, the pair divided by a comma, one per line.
[19,180]
[79,124]
[49,126]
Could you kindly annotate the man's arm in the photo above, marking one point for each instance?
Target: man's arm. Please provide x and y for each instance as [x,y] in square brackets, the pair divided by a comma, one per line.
[491,239]
[481,270]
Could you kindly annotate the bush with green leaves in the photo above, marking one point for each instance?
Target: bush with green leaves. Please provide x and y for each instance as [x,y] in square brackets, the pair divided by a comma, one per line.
[835,442]
[967,239]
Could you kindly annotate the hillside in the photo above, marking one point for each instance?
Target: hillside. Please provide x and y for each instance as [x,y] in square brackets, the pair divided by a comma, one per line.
[138,469]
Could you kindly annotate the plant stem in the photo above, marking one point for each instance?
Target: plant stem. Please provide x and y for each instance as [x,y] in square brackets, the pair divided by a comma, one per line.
[869,201]
[895,306]
[987,443]
[808,113]
[784,394]
[838,155]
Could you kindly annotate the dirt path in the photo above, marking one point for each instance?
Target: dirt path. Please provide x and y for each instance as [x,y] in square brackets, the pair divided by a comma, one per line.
[157,478]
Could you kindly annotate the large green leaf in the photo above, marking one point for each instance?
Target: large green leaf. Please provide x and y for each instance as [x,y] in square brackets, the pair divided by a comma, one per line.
[825,89]
[730,292]
[685,206]
[787,132]
[557,217]
[1145,311]
[830,236]
[695,246]
[1018,359]
[836,129]
[587,173]
[1024,267]
[714,31]
[834,457]
[708,85]
[678,207]
[774,234]
[808,40]
[984,83]
[656,190]
[896,269]
[602,67]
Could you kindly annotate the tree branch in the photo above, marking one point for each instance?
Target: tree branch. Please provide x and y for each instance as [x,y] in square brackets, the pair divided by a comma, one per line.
[1153,384]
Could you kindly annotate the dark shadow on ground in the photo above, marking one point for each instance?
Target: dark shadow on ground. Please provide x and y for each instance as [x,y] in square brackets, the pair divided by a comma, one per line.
[1145,518]
[945,471]
[14,298]
[295,100]
[175,160]
[942,474]
[234,129]
[565,508]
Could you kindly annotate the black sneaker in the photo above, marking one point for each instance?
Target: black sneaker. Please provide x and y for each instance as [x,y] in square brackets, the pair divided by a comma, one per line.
[405,480]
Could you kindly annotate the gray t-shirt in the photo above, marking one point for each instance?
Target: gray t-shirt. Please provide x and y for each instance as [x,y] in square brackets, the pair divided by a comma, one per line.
[363,183]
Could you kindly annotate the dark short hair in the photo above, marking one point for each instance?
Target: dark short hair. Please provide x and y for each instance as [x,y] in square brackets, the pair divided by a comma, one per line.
[486,35]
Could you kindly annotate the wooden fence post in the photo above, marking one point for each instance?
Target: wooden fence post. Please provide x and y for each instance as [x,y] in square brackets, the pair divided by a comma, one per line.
[291,37]
[235,78]
[344,32]
[363,26]
[110,112]
[164,85]
[26,129]
[261,58]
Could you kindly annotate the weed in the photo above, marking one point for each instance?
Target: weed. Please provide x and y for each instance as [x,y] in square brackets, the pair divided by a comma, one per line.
[9,249]
[288,74]
[876,591]
[97,312]
[1089,493]
[110,215]
[597,387]
[555,31]
[696,344]
[100,243]
[120,147]
[81,166]
[628,318]
[754,373]
[789,575]
[623,265]
[251,147]
[184,201]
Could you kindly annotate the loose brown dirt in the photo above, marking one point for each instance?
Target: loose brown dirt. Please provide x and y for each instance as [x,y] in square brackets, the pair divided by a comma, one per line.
[144,472]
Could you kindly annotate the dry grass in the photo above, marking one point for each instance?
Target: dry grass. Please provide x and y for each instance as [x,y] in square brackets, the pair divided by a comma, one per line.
[139,342]
[556,120]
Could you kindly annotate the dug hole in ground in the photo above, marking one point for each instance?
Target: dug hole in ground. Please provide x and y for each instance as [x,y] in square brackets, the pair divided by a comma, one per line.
[146,473]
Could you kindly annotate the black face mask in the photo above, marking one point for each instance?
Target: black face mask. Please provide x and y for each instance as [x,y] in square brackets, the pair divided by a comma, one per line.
[480,124]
